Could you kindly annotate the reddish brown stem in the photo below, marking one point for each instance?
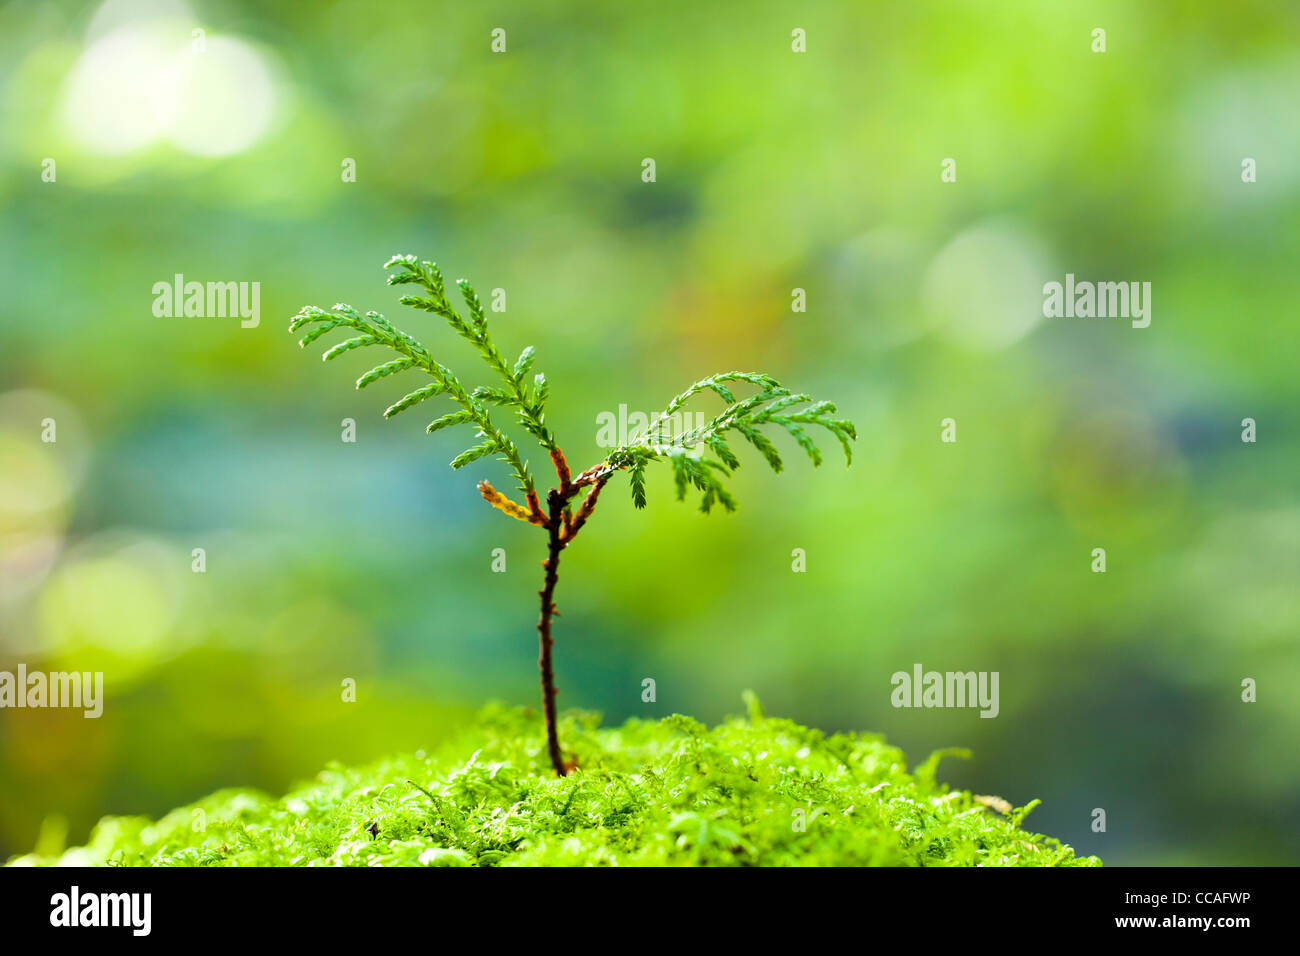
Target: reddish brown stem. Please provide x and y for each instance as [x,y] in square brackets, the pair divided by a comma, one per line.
[561,470]
[555,544]
[535,508]
[574,525]
[561,527]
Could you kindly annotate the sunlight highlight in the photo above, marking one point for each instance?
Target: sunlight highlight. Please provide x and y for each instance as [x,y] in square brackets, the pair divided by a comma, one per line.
[164,80]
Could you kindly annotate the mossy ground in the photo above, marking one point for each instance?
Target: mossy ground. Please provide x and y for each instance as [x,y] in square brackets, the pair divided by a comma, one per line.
[754,791]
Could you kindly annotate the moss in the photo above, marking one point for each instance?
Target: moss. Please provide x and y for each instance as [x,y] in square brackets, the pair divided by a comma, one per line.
[752,791]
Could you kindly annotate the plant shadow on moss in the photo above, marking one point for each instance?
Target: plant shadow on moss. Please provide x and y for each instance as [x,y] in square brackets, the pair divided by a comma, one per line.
[755,791]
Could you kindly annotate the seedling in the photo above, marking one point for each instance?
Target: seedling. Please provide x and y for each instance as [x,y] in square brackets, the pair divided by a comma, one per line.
[699,457]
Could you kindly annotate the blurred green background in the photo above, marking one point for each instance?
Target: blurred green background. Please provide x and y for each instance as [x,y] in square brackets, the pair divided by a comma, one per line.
[775,170]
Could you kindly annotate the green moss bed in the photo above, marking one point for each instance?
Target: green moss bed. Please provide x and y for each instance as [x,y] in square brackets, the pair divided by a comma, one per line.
[754,791]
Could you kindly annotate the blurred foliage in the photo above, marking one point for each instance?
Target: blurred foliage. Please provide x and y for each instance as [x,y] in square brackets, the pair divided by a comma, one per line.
[775,171]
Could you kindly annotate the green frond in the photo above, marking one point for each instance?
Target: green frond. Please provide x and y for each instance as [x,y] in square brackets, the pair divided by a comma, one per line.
[763,444]
[426,274]
[476,313]
[804,441]
[413,398]
[497,396]
[724,452]
[702,474]
[383,371]
[715,383]
[361,341]
[529,405]
[452,418]
[636,475]
[522,364]
[375,329]
[846,433]
[474,454]
[771,405]
[433,305]
[309,314]
[317,332]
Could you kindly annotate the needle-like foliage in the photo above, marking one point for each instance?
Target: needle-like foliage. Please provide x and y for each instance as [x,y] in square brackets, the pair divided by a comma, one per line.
[526,398]
[773,404]
[701,458]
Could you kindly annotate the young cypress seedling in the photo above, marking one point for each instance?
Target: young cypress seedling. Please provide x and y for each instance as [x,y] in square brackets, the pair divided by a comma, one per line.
[699,457]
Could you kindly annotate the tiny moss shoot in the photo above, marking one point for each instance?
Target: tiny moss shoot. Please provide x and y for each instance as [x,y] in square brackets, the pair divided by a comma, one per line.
[756,791]
[700,458]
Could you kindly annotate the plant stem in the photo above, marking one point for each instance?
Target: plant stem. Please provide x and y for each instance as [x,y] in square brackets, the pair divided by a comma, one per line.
[555,505]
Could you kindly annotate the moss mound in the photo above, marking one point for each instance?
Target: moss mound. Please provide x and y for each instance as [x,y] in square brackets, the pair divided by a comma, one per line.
[753,791]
